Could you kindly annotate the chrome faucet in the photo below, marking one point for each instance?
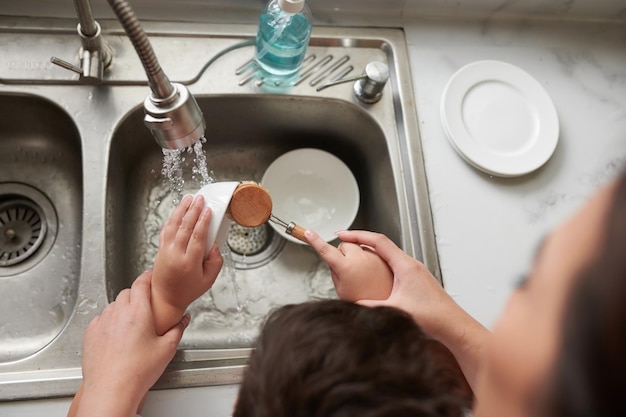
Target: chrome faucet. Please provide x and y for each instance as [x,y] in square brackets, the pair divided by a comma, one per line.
[95,54]
[171,112]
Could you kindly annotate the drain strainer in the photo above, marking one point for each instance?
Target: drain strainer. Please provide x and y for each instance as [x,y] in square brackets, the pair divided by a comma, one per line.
[22,230]
[253,247]
[28,227]
[247,240]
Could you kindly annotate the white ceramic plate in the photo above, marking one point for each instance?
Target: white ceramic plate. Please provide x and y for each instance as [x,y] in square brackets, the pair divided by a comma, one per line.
[314,189]
[499,118]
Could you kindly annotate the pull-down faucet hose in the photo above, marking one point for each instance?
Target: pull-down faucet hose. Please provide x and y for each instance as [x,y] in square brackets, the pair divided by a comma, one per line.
[159,83]
[172,113]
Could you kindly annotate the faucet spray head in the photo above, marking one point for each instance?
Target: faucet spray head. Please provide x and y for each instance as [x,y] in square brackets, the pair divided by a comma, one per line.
[176,122]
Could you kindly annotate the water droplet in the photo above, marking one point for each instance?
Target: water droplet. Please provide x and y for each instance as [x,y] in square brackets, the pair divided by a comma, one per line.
[173,171]
[201,164]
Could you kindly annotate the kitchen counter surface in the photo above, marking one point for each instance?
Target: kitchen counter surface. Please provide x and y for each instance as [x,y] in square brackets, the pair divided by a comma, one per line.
[487,227]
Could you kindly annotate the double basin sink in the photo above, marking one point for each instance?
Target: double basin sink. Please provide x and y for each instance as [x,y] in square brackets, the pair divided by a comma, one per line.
[83,196]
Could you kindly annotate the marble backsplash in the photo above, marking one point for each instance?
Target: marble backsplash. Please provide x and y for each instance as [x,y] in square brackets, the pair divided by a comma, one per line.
[334,12]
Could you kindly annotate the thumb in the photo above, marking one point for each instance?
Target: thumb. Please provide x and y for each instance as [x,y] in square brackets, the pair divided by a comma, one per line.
[330,254]
[316,242]
[348,248]
[172,336]
[212,265]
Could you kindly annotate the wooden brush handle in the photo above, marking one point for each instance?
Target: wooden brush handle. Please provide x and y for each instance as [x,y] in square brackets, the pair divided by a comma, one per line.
[297,232]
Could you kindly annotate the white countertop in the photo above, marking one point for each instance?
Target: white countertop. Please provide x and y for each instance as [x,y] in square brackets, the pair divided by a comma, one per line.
[487,227]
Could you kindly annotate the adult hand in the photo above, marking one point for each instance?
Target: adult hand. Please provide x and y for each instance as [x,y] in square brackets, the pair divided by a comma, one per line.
[417,292]
[181,274]
[357,271]
[413,288]
[123,356]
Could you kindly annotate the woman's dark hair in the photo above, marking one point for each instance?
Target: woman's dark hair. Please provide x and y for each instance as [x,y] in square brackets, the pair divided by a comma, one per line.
[590,374]
[338,359]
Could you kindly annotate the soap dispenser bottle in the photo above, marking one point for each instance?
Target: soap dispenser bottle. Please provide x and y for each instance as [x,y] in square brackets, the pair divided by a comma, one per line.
[283,37]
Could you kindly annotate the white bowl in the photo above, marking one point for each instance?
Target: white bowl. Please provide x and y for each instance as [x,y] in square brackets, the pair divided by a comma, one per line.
[313,189]
[217,195]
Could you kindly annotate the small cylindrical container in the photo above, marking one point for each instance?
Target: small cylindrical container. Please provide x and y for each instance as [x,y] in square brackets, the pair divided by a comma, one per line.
[282,39]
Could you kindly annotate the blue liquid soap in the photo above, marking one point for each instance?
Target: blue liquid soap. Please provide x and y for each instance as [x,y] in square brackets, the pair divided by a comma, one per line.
[283,37]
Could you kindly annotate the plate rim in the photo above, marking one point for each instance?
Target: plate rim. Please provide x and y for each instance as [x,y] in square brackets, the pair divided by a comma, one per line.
[327,154]
[504,165]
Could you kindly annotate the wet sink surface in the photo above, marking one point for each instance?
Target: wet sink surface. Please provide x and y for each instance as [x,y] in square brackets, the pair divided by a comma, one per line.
[80,156]
[40,223]
[245,134]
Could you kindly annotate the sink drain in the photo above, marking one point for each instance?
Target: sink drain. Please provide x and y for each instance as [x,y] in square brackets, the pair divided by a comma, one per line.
[28,227]
[22,230]
[253,247]
[247,240]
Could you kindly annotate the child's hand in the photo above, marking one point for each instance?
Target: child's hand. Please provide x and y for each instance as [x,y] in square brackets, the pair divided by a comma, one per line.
[357,271]
[181,274]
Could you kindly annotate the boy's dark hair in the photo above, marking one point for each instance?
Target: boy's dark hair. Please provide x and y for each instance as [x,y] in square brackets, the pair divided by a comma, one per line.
[334,358]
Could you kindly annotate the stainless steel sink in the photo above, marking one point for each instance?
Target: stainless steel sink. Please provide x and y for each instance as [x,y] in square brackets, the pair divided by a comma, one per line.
[40,223]
[138,201]
[86,151]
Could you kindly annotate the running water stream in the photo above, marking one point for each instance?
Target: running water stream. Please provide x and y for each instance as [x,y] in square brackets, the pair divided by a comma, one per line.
[172,168]
[230,314]
[173,160]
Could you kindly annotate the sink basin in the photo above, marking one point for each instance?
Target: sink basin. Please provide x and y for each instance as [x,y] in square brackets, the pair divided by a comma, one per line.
[278,272]
[78,159]
[40,223]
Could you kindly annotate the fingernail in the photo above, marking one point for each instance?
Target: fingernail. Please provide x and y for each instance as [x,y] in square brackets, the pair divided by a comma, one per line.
[186,197]
[308,234]
[337,233]
[198,199]
[186,320]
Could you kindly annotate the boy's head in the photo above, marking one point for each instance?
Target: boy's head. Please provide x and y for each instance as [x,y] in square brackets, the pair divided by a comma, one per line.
[334,358]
